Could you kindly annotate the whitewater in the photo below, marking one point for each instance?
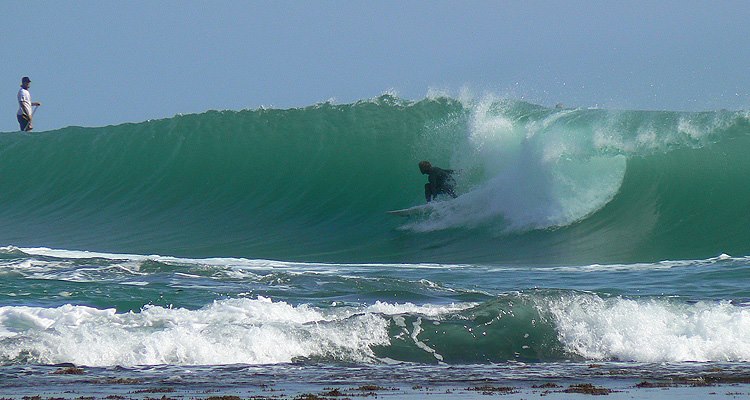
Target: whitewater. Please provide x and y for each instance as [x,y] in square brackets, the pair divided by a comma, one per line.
[585,243]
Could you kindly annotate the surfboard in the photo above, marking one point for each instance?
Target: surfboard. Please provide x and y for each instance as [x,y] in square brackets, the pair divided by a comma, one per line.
[423,209]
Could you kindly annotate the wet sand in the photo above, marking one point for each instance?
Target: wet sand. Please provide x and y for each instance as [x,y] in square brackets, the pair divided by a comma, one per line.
[73,383]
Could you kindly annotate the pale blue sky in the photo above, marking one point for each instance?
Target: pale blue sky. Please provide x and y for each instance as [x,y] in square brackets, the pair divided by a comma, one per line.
[97,63]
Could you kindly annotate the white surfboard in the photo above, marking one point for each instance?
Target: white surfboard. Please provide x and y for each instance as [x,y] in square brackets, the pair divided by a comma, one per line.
[423,209]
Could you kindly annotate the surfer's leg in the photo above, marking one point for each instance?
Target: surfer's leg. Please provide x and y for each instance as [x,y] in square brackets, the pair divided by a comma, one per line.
[446,189]
[427,192]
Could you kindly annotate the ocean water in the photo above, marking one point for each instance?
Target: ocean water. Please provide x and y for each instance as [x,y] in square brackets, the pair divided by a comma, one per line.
[256,244]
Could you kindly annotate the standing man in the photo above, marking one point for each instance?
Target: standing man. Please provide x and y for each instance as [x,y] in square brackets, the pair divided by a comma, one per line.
[25,113]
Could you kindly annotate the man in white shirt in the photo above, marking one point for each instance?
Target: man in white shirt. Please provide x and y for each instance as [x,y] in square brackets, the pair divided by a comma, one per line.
[25,113]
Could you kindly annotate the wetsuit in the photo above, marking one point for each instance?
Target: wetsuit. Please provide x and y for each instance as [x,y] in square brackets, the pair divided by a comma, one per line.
[440,181]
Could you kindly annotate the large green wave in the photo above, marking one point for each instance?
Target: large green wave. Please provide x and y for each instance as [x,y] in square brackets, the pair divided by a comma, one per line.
[538,185]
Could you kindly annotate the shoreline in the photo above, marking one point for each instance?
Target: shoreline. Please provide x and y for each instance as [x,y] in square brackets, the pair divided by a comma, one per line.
[71,382]
[546,391]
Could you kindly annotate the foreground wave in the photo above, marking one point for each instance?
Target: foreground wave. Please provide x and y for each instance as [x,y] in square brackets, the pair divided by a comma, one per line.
[539,185]
[539,327]
[103,310]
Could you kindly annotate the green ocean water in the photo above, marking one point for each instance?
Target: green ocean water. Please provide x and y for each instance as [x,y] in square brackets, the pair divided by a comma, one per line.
[254,246]
[538,185]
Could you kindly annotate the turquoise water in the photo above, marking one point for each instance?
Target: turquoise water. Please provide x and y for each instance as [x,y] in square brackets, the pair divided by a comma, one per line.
[260,238]
[539,186]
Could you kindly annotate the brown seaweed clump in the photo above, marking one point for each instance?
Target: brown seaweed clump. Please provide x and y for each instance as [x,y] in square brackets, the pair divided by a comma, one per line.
[69,371]
[487,389]
[587,388]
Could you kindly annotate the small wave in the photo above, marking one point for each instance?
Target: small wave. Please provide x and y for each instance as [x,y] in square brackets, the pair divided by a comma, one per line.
[247,331]
[544,325]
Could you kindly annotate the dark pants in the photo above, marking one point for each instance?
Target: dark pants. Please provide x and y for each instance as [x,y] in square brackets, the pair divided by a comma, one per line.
[24,123]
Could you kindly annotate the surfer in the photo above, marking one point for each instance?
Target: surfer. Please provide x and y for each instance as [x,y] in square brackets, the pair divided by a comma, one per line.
[25,113]
[439,181]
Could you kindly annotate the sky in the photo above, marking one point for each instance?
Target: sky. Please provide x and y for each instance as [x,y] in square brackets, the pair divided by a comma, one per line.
[97,63]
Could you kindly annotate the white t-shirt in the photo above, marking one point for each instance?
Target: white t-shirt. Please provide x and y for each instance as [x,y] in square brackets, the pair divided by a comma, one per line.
[24,102]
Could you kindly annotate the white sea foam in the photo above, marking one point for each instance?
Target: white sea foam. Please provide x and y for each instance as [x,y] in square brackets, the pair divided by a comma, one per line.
[241,268]
[232,267]
[651,330]
[428,310]
[249,331]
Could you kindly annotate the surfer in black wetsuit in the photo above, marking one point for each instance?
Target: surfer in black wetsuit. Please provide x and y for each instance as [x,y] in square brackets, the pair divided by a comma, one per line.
[439,181]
